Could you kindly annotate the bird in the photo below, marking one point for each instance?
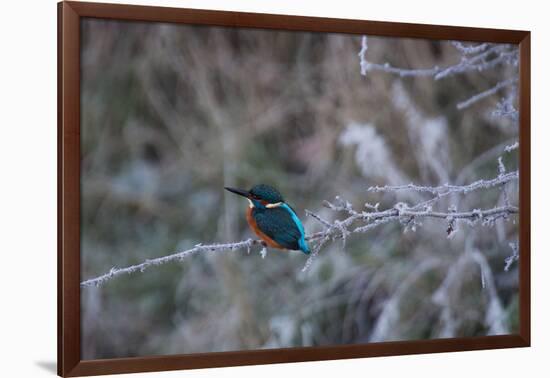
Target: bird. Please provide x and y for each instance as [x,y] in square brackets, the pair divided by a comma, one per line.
[272,219]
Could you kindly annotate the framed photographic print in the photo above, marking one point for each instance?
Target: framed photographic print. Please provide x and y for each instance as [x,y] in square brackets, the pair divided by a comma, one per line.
[239,188]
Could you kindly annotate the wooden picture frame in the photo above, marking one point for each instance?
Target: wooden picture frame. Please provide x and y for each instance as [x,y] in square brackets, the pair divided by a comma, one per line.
[70,14]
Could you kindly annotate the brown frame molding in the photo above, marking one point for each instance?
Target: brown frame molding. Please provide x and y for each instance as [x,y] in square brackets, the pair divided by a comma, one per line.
[69,14]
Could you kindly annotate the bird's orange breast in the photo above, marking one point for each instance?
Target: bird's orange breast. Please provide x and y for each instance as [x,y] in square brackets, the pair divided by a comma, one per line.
[254,226]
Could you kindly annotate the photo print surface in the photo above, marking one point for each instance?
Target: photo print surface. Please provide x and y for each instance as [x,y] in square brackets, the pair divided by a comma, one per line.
[373,189]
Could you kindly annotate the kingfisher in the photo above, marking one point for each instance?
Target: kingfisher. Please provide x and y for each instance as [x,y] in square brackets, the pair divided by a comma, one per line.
[272,219]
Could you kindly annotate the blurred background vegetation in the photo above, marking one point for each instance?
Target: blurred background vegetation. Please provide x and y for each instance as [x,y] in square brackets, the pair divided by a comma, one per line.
[171,114]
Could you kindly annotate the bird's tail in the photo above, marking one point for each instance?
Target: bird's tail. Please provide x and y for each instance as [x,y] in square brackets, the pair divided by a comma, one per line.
[304,247]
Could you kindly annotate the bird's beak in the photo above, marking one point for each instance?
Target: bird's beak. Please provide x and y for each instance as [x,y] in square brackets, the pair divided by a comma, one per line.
[240,192]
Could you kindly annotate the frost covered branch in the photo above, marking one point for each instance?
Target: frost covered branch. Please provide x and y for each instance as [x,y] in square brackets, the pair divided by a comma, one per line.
[512,147]
[447,189]
[512,258]
[361,221]
[178,256]
[472,49]
[407,216]
[487,93]
[506,109]
[362,59]
[474,58]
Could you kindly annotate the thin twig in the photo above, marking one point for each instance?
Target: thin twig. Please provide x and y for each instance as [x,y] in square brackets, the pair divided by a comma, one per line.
[487,93]
[480,184]
[178,256]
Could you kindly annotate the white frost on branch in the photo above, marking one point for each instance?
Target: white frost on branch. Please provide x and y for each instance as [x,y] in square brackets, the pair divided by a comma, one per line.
[484,94]
[408,216]
[178,256]
[443,190]
[338,230]
[505,107]
[479,62]
[512,258]
[471,49]
[364,220]
[362,56]
[473,58]
[512,147]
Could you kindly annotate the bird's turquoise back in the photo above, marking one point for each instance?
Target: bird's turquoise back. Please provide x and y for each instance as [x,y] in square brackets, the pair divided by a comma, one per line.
[302,242]
[282,225]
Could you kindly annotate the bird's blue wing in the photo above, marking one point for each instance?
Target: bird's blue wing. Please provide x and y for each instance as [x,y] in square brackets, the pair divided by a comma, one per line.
[304,247]
[283,226]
